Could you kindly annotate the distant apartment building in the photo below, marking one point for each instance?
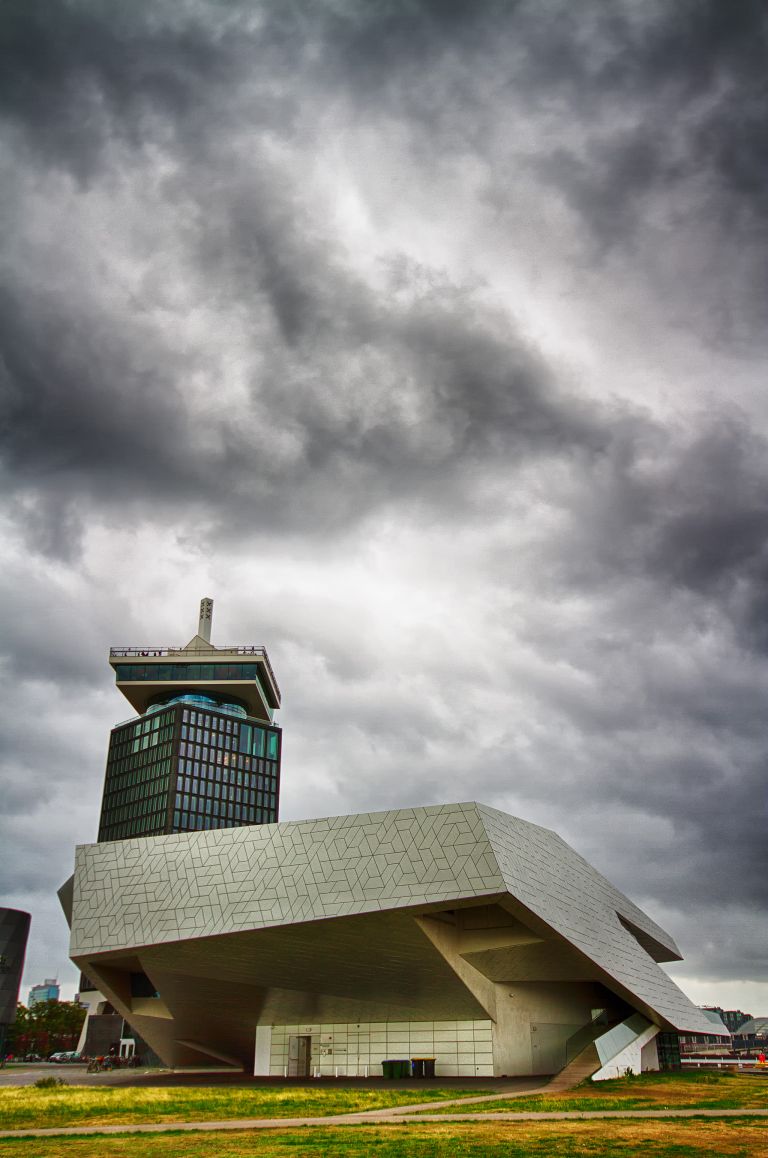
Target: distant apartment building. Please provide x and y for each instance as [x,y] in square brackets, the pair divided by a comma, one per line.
[732,1019]
[48,991]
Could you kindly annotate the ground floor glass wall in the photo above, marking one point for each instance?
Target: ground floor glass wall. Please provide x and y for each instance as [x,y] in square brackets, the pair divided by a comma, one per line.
[461,1048]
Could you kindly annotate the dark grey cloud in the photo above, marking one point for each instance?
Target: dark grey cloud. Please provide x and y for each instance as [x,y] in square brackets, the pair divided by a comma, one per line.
[227,350]
[687,510]
[96,410]
[483,390]
[74,74]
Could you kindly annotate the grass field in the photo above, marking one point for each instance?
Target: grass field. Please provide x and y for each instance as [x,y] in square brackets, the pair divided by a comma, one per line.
[28,1107]
[651,1091]
[670,1139]
[81,1105]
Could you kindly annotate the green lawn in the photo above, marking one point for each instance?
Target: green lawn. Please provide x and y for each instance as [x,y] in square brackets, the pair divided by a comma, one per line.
[26,1106]
[669,1139]
[651,1091]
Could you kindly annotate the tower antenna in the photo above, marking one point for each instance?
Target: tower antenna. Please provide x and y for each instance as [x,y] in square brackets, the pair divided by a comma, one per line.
[206,618]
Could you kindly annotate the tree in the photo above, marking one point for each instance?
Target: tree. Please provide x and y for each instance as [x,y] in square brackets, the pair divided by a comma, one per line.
[45,1028]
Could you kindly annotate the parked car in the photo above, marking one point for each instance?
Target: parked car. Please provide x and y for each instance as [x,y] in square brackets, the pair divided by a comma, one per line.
[65,1057]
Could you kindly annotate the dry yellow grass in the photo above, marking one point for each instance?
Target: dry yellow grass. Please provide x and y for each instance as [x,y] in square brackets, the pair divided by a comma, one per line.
[652,1091]
[26,1107]
[689,1138]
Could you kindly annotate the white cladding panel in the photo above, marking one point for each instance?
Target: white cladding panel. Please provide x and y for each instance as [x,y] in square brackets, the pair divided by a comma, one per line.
[153,890]
[357,1049]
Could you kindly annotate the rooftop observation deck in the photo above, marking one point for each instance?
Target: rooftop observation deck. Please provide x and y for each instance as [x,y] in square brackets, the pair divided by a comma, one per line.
[152,667]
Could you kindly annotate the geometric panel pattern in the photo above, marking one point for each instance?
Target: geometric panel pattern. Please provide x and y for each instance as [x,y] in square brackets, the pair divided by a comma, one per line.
[545,874]
[158,889]
[163,890]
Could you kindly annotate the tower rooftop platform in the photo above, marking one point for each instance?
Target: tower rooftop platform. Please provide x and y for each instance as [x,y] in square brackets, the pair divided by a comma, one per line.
[241,671]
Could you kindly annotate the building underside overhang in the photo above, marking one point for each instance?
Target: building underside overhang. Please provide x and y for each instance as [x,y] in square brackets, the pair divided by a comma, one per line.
[415,915]
[433,964]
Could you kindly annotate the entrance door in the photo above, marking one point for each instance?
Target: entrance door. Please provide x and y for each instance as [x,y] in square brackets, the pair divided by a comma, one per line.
[299,1056]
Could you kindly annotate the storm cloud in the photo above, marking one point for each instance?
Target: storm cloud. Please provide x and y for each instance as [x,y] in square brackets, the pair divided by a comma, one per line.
[429,339]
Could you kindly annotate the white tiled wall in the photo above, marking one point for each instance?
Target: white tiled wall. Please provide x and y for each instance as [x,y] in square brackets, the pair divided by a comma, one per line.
[462,1048]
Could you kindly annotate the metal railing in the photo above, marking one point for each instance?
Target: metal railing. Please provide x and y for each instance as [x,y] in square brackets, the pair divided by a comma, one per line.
[588,1033]
[149,652]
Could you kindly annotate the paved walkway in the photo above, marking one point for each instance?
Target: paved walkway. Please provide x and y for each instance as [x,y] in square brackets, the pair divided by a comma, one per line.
[380,1117]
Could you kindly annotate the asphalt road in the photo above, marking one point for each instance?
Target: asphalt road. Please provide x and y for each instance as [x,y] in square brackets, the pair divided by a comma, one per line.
[77,1075]
[27,1075]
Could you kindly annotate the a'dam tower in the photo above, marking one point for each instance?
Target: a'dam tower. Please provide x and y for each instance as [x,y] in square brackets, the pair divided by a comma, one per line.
[203,751]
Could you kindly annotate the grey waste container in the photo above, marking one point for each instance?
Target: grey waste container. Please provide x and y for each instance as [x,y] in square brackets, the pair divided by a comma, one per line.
[423,1067]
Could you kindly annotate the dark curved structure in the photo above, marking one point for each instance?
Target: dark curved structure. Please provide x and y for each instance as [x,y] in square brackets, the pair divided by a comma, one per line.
[14,932]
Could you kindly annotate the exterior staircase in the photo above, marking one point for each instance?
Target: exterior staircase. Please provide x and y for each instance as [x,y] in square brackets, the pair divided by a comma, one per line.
[593,1047]
[576,1071]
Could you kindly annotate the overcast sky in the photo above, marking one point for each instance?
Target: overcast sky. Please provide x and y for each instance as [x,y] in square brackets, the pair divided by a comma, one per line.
[427,337]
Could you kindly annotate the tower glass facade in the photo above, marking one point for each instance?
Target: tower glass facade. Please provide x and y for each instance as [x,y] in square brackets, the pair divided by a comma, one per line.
[204,752]
[48,991]
[188,767]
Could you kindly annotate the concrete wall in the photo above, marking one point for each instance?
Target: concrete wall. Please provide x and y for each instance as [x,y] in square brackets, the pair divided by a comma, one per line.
[535,1019]
[462,1048]
[649,1054]
[261,1056]
[94,1003]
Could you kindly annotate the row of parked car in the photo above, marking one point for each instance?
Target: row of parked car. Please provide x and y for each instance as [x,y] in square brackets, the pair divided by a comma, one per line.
[104,1062]
[72,1057]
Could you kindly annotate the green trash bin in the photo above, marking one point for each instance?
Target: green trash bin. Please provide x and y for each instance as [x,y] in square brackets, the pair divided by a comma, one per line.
[403,1068]
[388,1069]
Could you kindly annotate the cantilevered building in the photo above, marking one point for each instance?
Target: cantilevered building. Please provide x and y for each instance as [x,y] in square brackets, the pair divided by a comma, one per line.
[328,946]
[203,751]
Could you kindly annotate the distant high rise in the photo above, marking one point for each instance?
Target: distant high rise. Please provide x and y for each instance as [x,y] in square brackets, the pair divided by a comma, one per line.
[204,751]
[48,991]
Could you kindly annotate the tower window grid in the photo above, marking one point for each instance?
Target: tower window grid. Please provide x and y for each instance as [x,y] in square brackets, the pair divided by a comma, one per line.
[186,769]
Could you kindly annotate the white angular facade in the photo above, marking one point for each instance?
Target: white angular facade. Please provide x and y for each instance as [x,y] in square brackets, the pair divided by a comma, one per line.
[326,946]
